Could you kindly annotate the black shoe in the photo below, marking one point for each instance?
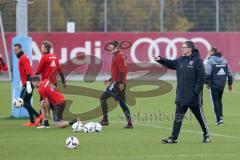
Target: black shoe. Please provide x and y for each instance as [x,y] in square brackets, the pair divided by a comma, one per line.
[206,139]
[104,123]
[169,140]
[128,126]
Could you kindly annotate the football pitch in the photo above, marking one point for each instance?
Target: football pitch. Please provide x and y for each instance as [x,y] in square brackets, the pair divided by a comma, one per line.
[152,120]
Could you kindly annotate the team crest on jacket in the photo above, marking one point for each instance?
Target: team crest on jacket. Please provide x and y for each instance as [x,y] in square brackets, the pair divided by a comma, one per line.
[191,63]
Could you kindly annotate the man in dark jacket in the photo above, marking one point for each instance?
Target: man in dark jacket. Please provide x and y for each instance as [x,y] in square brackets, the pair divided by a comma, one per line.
[217,71]
[190,80]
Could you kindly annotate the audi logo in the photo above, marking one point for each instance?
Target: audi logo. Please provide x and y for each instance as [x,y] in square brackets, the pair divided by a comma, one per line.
[155,50]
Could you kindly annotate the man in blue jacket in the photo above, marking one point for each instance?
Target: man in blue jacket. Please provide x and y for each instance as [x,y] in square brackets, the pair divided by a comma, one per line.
[190,80]
[218,72]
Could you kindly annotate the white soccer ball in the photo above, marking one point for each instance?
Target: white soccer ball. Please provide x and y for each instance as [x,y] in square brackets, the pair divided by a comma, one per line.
[77,127]
[98,127]
[72,142]
[89,127]
[18,102]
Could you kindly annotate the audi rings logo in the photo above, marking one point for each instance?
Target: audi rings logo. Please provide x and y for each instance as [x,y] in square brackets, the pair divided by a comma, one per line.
[155,50]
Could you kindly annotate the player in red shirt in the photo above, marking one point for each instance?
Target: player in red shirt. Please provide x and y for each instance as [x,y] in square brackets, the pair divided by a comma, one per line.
[49,65]
[26,73]
[117,85]
[51,96]
[3,65]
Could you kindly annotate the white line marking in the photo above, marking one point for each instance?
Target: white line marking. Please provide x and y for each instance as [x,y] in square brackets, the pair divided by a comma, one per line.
[182,130]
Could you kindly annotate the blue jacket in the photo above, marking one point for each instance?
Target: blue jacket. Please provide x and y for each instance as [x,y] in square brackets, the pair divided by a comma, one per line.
[190,78]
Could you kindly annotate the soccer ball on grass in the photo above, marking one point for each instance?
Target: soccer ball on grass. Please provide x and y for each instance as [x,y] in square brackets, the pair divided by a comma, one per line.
[72,142]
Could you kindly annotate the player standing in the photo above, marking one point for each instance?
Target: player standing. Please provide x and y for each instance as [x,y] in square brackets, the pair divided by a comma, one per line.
[190,80]
[26,73]
[52,96]
[117,85]
[218,71]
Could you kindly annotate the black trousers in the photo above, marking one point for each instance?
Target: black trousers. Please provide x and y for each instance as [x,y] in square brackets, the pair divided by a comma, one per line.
[179,115]
[113,91]
[27,103]
[217,102]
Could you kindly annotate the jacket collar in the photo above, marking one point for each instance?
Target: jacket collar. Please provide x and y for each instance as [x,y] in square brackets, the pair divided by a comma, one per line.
[115,53]
[195,53]
[47,53]
[217,55]
[20,54]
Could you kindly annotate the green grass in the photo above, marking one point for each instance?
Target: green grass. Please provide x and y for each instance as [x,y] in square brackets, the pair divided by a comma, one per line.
[141,143]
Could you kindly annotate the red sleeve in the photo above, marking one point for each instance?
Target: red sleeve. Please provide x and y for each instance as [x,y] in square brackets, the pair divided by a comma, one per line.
[41,65]
[26,66]
[42,93]
[120,63]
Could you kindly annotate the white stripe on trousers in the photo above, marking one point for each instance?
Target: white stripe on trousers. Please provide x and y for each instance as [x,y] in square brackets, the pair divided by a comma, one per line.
[202,115]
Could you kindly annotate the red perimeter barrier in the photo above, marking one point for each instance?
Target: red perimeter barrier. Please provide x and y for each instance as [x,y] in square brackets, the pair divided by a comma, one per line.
[144,45]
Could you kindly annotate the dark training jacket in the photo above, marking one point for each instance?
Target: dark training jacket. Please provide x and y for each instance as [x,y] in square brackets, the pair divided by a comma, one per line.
[190,78]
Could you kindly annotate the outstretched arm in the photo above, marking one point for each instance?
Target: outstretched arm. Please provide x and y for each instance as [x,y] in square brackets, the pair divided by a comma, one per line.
[171,64]
[44,106]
